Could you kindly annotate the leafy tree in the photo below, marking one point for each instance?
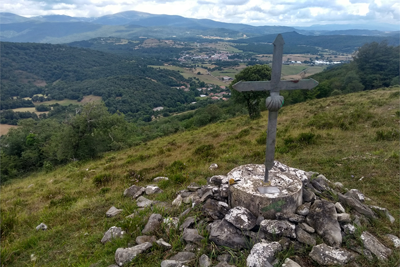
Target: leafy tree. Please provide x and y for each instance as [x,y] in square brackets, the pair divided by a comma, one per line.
[251,99]
[377,64]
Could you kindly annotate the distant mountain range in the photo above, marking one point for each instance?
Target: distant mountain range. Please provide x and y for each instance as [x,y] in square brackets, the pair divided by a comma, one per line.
[134,24]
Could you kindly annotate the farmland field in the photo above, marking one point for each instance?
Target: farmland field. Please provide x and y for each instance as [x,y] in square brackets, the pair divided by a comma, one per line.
[4,128]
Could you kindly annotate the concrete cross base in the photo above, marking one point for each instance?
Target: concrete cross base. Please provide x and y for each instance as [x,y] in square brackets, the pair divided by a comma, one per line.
[250,177]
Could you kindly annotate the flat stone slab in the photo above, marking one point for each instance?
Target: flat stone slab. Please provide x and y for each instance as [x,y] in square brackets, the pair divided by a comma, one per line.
[326,255]
[111,233]
[241,218]
[113,211]
[377,248]
[263,254]
[250,177]
[124,255]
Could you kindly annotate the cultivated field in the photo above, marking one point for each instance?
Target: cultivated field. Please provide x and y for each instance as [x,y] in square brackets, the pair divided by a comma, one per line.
[4,128]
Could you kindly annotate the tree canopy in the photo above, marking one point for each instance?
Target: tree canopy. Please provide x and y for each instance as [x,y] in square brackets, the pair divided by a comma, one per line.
[251,99]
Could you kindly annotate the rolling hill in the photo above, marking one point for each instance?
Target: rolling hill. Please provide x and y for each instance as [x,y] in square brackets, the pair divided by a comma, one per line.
[351,139]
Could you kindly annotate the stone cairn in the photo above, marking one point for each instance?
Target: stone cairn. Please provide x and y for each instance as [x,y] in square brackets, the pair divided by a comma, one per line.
[314,222]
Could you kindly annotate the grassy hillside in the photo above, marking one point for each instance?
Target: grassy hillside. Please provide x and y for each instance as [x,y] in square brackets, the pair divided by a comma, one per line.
[352,139]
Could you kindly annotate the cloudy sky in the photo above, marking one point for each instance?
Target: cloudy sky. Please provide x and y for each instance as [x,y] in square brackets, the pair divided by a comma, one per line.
[254,12]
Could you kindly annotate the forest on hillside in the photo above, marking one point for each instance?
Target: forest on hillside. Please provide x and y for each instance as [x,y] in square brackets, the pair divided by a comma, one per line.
[85,132]
[125,84]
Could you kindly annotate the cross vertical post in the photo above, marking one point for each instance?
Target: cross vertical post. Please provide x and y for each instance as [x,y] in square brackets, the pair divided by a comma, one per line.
[275,101]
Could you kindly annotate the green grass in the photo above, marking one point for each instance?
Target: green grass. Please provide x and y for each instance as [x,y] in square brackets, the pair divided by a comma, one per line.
[72,199]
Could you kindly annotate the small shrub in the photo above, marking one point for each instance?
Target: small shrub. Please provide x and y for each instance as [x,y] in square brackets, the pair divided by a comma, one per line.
[178,178]
[262,139]
[395,94]
[111,158]
[65,201]
[243,133]
[104,190]
[102,179]
[306,138]
[8,221]
[47,166]
[205,152]
[176,167]
[377,123]
[388,135]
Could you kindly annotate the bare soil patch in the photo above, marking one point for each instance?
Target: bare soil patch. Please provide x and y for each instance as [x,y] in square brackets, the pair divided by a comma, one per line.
[4,128]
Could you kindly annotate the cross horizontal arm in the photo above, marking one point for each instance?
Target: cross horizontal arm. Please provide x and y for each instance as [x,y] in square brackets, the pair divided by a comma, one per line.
[282,85]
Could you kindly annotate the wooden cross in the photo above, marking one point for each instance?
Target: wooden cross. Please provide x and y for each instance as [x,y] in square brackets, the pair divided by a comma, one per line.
[275,101]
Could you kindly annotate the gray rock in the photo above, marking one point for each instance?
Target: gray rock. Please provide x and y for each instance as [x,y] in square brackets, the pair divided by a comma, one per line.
[339,208]
[134,191]
[224,191]
[189,221]
[241,218]
[385,211]
[354,193]
[224,233]
[184,257]
[163,244]
[185,193]
[320,187]
[377,248]
[145,238]
[322,218]
[204,261]
[224,258]
[193,197]
[113,265]
[278,228]
[131,216]
[161,178]
[152,189]
[143,202]
[192,236]
[395,240]
[307,228]
[124,255]
[193,187]
[326,255]
[255,237]
[171,263]
[363,251]
[308,196]
[186,212]
[224,264]
[215,209]
[41,226]
[296,218]
[356,205]
[190,247]
[113,211]
[177,201]
[213,166]
[111,233]
[262,254]
[349,229]
[338,185]
[290,263]
[344,217]
[206,195]
[218,180]
[153,224]
[303,209]
[304,237]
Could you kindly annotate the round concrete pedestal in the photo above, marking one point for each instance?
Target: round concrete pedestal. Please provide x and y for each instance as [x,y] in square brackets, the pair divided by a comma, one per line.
[245,192]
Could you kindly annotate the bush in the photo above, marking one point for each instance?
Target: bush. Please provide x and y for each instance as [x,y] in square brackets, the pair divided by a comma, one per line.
[262,139]
[205,152]
[388,135]
[102,179]
[243,133]
[176,167]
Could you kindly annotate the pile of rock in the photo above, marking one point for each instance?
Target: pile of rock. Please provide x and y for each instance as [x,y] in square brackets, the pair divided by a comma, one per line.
[317,218]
